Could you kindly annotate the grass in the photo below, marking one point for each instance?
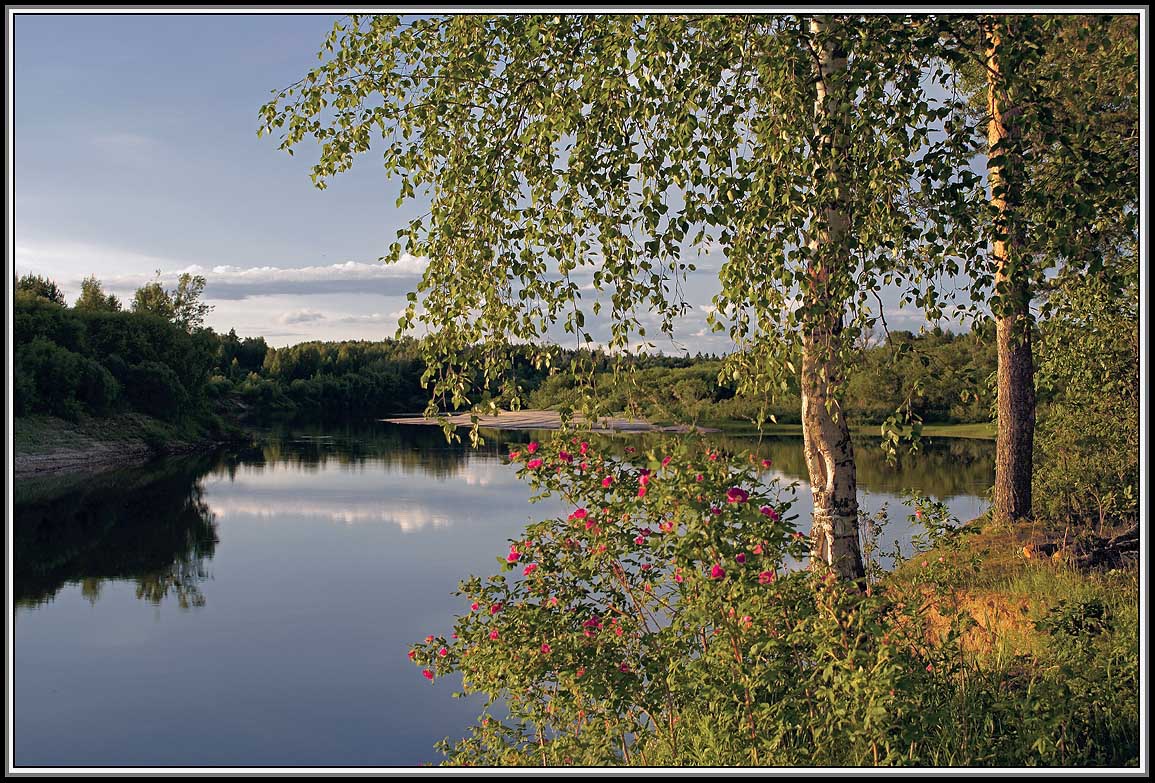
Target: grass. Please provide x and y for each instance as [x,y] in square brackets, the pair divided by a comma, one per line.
[1010,596]
[1047,663]
[46,434]
[981,431]
[39,434]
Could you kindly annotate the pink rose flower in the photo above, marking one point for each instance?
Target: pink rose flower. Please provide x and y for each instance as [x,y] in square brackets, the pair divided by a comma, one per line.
[534,463]
[717,572]
[493,634]
[607,481]
[766,577]
[583,448]
[529,569]
[513,555]
[737,495]
[769,512]
[532,447]
[427,674]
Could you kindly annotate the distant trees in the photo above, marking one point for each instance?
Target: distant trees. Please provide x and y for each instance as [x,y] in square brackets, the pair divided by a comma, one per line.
[40,287]
[92,297]
[236,358]
[152,298]
[68,362]
[181,305]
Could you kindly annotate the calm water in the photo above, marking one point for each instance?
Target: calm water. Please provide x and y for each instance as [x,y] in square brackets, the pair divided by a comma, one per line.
[256,608]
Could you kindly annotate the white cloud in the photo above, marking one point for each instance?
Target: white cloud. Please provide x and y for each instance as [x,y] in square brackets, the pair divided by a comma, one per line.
[69,262]
[301,317]
[372,318]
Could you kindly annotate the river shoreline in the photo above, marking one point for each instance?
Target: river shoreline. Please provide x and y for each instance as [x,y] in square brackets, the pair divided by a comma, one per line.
[46,447]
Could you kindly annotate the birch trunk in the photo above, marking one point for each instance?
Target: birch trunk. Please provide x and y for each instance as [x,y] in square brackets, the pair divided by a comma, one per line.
[826,437]
[1014,446]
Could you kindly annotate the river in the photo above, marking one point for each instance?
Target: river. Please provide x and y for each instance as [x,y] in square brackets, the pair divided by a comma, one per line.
[255,608]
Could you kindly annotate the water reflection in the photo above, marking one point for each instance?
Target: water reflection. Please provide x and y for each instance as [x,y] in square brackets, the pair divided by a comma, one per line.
[156,528]
[148,526]
[337,549]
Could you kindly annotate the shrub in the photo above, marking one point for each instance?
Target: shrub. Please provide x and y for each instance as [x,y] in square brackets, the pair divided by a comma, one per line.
[155,389]
[58,381]
[664,621]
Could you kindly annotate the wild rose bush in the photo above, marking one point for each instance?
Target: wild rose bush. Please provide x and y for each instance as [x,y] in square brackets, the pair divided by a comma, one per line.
[660,622]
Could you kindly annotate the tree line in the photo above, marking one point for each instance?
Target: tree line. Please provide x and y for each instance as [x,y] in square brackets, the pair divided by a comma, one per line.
[97,360]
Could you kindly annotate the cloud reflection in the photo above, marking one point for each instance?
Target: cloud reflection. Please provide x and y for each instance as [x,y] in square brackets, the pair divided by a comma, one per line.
[408,518]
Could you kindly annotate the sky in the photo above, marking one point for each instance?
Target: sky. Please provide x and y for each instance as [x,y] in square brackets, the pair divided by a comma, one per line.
[135,150]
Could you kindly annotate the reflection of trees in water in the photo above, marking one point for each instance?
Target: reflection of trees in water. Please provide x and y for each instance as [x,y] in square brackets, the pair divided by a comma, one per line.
[148,526]
[410,449]
[945,468]
[151,526]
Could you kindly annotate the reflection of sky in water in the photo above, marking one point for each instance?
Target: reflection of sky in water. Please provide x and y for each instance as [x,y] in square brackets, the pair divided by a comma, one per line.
[324,574]
[342,494]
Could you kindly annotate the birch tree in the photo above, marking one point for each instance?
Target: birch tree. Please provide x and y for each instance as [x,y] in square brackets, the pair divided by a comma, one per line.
[573,164]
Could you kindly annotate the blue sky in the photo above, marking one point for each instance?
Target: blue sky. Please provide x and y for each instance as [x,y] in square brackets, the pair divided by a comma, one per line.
[136,150]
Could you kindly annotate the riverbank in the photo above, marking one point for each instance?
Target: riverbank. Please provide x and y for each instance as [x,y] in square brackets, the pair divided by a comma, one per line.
[45,446]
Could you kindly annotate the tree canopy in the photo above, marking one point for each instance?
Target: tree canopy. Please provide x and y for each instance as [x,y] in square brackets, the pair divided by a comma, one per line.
[92,297]
[182,305]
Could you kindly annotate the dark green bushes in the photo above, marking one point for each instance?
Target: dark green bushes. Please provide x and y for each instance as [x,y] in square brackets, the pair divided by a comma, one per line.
[70,363]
